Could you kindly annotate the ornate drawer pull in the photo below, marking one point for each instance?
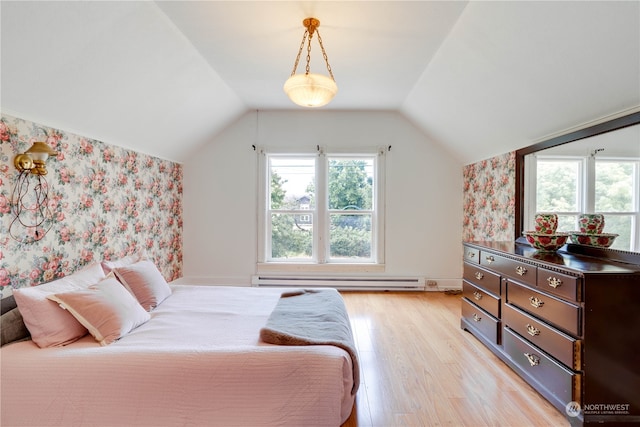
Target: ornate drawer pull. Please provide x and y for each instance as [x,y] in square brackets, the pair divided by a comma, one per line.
[476,318]
[521,270]
[489,259]
[477,295]
[536,302]
[532,358]
[479,275]
[532,330]
[554,282]
[471,254]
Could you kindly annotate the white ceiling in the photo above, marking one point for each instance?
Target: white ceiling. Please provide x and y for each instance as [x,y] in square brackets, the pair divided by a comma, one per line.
[163,77]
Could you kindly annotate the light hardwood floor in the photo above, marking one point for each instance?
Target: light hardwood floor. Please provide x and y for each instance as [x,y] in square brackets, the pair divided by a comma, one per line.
[418,368]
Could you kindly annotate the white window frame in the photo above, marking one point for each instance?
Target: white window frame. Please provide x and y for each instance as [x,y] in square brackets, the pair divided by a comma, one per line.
[321,261]
[586,190]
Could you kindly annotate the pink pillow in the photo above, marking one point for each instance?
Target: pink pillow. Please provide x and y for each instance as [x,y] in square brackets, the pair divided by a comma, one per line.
[49,326]
[145,283]
[107,266]
[107,309]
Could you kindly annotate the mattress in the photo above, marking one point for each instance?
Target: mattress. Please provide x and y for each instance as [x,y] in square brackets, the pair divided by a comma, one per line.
[198,362]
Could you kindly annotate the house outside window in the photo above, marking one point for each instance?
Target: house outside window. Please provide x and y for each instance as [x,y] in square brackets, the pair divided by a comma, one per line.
[322,208]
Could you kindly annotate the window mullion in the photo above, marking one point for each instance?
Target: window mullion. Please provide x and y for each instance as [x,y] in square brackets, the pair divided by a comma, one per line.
[635,222]
[531,182]
[263,222]
[321,223]
[378,235]
[636,183]
[589,190]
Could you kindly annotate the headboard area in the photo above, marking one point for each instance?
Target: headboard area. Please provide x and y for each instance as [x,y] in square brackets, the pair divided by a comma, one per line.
[108,202]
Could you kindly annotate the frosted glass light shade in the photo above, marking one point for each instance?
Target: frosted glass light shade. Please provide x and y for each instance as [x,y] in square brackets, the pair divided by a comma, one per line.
[40,151]
[310,90]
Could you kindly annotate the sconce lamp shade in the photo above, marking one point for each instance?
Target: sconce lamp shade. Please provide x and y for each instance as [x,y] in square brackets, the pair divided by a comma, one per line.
[34,159]
[310,90]
[40,151]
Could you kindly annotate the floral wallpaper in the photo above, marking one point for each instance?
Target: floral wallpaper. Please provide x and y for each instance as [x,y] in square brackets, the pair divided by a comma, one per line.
[108,202]
[489,199]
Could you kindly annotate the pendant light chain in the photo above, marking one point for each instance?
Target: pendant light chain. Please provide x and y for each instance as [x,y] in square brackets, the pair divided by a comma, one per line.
[295,66]
[309,53]
[324,55]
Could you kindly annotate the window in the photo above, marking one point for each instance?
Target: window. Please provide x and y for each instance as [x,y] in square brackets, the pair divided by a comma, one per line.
[321,208]
[570,185]
[559,189]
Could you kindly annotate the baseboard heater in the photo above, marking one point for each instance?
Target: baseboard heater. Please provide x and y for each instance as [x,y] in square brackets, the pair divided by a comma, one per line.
[343,283]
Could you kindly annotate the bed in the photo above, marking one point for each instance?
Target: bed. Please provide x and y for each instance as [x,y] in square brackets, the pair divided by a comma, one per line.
[197,361]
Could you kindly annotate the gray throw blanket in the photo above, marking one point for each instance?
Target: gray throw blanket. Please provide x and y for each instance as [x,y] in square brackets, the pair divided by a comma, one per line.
[312,317]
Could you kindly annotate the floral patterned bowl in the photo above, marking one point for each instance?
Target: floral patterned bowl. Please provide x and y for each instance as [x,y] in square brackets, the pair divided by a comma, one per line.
[546,223]
[603,240]
[546,242]
[591,223]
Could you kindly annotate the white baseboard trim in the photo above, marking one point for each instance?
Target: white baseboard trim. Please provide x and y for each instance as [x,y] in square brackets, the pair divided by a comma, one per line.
[213,281]
[239,281]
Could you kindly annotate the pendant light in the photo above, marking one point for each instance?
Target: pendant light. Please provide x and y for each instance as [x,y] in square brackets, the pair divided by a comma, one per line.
[311,89]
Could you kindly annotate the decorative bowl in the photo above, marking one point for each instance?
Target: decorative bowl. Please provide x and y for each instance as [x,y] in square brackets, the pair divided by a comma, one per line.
[546,242]
[603,240]
[546,223]
[591,223]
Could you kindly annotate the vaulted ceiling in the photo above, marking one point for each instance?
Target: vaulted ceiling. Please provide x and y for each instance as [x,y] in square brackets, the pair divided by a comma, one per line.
[163,77]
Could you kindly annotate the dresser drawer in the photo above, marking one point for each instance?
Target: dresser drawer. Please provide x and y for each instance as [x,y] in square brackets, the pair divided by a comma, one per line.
[471,255]
[520,271]
[563,347]
[481,321]
[560,284]
[541,369]
[481,298]
[485,279]
[546,307]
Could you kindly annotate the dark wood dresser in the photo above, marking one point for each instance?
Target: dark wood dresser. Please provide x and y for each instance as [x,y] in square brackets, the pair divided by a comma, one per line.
[567,322]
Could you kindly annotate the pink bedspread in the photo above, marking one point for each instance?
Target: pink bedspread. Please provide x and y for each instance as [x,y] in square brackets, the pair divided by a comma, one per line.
[197,362]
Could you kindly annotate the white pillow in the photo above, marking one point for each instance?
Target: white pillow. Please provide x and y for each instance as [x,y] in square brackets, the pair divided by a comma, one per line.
[48,325]
[107,309]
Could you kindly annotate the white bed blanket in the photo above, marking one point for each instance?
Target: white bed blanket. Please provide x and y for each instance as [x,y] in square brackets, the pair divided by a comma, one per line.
[197,362]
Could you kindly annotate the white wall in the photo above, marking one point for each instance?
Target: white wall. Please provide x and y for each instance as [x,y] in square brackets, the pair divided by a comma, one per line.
[423,193]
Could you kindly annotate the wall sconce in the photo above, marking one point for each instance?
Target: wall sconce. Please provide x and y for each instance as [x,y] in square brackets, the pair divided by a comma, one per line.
[34,159]
[32,216]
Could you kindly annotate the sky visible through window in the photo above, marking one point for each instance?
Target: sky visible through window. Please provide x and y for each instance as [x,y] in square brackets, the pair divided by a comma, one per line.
[296,172]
